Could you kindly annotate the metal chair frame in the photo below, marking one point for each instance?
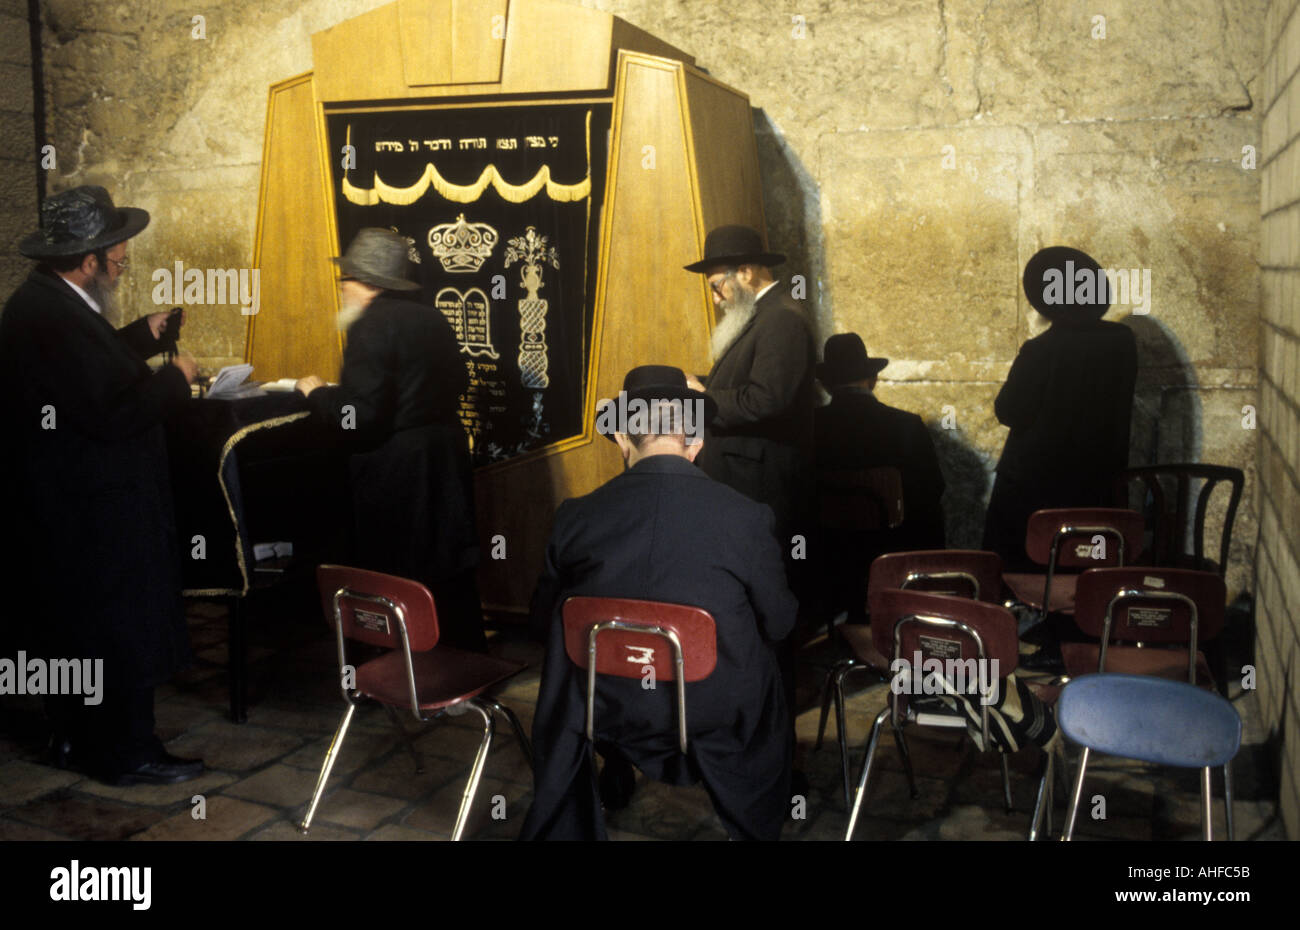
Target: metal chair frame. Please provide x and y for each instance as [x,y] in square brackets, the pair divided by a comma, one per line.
[833,687]
[1061,534]
[679,666]
[1207,827]
[897,720]
[485,707]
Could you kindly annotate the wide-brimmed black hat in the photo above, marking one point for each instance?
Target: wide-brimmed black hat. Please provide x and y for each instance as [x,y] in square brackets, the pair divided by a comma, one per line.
[1056,288]
[378,257]
[81,220]
[847,361]
[735,245]
[654,382]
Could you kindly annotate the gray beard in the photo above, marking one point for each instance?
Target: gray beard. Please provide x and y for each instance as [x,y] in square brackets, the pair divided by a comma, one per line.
[103,293]
[349,313]
[738,314]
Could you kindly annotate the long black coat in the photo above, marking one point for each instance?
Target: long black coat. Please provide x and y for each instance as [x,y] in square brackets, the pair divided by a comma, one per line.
[664,531]
[412,482]
[90,533]
[1068,400]
[855,430]
[761,439]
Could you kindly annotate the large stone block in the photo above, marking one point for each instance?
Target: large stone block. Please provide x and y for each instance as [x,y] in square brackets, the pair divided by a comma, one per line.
[922,240]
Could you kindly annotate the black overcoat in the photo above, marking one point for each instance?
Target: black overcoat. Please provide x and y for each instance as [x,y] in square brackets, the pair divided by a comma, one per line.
[664,531]
[761,439]
[91,539]
[1068,400]
[412,483]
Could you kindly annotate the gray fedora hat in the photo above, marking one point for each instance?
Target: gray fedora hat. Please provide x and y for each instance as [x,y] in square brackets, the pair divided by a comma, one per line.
[82,219]
[378,257]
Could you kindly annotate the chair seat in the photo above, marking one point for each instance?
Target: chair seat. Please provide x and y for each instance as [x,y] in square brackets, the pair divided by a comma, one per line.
[443,676]
[1028,588]
[1155,662]
[858,638]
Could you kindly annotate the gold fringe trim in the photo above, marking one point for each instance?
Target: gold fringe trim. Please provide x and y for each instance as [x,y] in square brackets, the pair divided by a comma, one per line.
[229,447]
[466,193]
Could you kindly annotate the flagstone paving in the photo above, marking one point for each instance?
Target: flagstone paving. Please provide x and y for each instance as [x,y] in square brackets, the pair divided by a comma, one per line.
[261,774]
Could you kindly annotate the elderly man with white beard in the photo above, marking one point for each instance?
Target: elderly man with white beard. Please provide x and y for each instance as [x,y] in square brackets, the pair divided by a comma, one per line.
[396,406]
[762,378]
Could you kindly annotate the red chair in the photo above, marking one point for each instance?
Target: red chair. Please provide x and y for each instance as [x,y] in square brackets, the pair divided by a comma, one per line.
[398,614]
[1073,538]
[956,572]
[946,628]
[634,633]
[1150,608]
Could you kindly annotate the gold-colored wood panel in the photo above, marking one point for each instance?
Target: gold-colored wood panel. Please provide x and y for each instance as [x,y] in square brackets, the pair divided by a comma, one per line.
[361,59]
[478,30]
[725,156]
[294,332]
[423,27]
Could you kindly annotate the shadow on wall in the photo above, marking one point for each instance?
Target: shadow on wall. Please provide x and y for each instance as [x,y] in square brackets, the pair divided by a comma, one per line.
[1166,424]
[792,206]
[967,483]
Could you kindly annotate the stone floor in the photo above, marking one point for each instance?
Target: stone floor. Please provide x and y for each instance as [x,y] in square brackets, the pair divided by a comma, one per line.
[261,774]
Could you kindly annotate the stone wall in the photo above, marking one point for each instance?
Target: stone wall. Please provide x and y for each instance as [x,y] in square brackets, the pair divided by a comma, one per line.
[915,153]
[1277,579]
[18,162]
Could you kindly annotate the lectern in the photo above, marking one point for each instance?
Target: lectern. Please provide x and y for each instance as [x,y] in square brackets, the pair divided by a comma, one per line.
[552,168]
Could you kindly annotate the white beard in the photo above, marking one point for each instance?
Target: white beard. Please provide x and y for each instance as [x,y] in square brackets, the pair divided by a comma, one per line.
[349,313]
[725,333]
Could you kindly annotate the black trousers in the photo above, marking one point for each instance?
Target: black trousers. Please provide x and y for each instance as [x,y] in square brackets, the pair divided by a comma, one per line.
[109,738]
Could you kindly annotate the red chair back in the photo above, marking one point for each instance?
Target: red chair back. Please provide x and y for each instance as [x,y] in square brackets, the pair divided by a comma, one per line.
[625,653]
[955,572]
[995,625]
[861,499]
[365,617]
[1074,529]
[1158,611]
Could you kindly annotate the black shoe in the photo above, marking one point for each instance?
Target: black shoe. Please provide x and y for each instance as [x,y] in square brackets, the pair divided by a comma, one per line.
[617,780]
[165,769]
[61,754]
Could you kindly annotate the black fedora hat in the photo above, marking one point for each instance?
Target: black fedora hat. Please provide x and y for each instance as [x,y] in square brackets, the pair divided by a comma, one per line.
[1066,285]
[847,361]
[81,220]
[653,382]
[735,245]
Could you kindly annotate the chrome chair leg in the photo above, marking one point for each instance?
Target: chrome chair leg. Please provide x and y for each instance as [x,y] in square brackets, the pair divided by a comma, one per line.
[826,707]
[1076,795]
[476,773]
[406,738]
[1207,812]
[330,755]
[1043,802]
[1006,781]
[1227,801]
[842,728]
[866,773]
[901,742]
[520,735]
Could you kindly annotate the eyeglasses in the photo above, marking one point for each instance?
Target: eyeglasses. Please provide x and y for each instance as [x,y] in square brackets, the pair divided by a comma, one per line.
[716,286]
[120,264]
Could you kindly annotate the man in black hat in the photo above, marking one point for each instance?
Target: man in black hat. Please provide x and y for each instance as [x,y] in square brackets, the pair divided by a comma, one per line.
[761,380]
[663,531]
[1068,400]
[396,404]
[91,546]
[856,431]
